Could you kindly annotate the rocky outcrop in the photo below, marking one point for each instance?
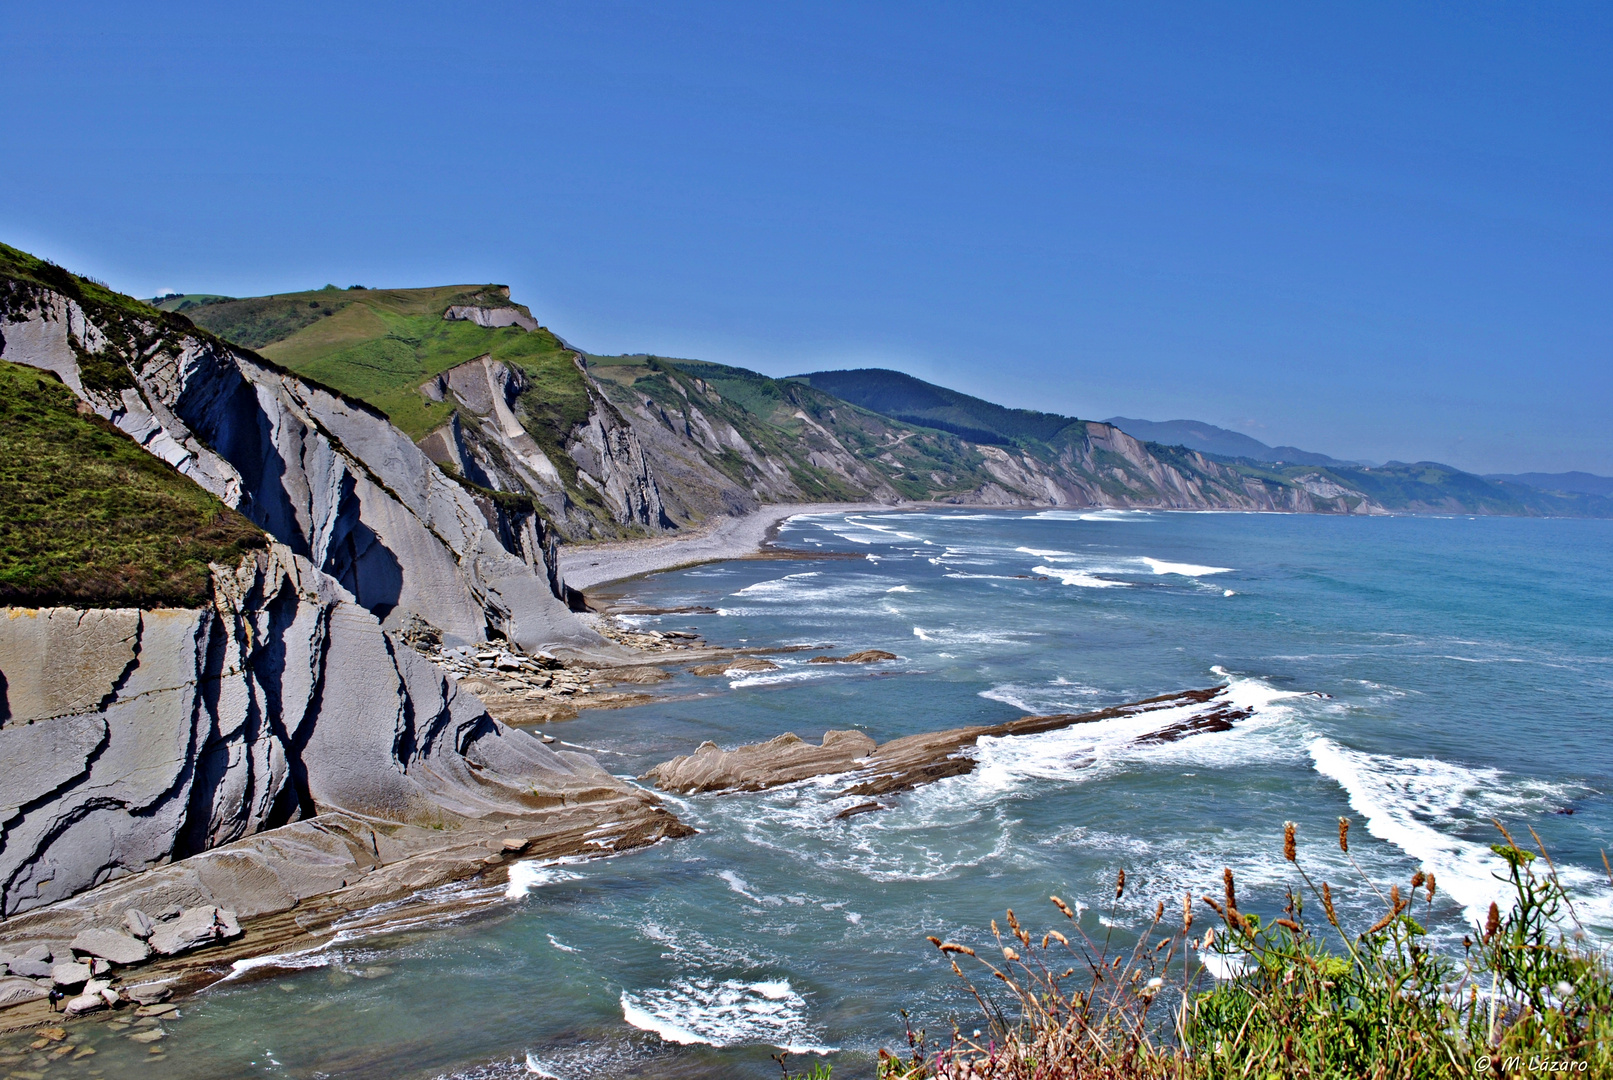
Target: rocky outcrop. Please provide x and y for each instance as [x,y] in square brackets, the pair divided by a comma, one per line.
[491,317]
[909,762]
[130,738]
[331,479]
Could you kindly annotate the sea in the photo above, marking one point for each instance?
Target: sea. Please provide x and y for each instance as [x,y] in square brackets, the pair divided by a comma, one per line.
[1425,677]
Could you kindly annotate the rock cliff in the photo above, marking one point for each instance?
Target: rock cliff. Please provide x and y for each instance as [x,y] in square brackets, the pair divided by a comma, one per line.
[130,738]
[329,477]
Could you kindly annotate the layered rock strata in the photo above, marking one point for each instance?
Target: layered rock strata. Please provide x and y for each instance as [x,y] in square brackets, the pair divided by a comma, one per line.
[330,478]
[913,760]
[133,738]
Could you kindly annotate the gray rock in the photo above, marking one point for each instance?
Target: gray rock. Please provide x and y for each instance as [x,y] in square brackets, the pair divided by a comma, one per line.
[37,952]
[149,993]
[14,991]
[195,928]
[111,945]
[33,969]
[85,1003]
[172,911]
[68,975]
[137,924]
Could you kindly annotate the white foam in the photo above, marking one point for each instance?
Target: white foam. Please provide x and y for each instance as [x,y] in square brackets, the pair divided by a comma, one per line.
[533,1067]
[900,588]
[699,1010]
[1042,553]
[1078,577]
[1060,695]
[533,873]
[1160,566]
[1420,805]
[1228,592]
[1091,515]
[1223,965]
[562,947]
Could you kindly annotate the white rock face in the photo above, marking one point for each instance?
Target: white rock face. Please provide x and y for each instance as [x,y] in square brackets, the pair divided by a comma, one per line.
[334,481]
[130,738]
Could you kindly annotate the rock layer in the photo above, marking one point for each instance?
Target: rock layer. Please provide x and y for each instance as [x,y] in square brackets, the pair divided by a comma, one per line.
[328,477]
[913,760]
[134,737]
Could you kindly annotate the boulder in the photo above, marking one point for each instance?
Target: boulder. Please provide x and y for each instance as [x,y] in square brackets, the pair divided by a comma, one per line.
[33,969]
[193,929]
[70,974]
[149,994]
[85,1003]
[112,945]
[37,952]
[15,991]
[137,924]
[865,656]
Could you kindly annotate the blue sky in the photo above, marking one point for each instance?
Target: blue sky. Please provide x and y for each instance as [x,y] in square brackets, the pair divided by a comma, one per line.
[1377,231]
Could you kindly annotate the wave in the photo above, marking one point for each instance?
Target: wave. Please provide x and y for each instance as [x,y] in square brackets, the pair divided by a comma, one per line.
[1160,566]
[1057,696]
[729,1013]
[1042,553]
[1423,806]
[1078,577]
[1091,515]
[533,873]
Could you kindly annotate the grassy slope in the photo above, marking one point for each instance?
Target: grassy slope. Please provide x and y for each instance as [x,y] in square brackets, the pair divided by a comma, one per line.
[380,345]
[903,397]
[88,518]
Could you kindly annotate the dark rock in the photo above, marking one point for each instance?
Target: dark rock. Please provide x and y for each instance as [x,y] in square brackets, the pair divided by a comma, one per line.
[865,656]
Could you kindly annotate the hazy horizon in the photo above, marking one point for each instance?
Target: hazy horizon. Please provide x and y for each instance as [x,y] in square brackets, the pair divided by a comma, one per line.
[1378,233]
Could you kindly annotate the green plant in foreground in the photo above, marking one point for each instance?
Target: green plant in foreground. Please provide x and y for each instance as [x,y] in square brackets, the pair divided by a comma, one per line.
[1530,996]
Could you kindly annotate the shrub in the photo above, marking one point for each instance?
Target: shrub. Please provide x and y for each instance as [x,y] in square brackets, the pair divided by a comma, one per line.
[1531,993]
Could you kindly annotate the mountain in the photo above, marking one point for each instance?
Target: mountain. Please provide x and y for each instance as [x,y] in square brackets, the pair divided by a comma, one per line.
[1574,483]
[610,446]
[1210,439]
[1298,478]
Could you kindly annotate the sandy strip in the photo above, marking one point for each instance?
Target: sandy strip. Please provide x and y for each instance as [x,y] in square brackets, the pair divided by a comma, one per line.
[585,566]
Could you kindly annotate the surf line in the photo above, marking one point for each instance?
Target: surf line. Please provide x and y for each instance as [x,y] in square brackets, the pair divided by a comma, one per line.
[903,764]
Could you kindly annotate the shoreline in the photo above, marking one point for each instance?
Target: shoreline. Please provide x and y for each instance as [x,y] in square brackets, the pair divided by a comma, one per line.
[608,562]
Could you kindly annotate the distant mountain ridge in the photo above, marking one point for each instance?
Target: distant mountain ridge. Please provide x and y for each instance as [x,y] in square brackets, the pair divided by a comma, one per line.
[604,446]
[1578,483]
[1197,435]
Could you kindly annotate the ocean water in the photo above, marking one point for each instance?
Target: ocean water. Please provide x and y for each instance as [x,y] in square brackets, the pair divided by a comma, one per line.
[1420,675]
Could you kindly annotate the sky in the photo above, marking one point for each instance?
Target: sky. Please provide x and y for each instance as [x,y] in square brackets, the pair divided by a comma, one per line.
[1379,231]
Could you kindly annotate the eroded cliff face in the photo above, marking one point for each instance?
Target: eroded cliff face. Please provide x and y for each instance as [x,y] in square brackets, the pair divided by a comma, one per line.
[331,479]
[489,444]
[130,738]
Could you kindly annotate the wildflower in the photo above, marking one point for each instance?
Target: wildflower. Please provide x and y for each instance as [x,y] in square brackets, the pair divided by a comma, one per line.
[1492,925]
[1290,851]
[1344,835]
[1062,906]
[1327,902]
[1430,887]
[1565,990]
[1120,884]
[1187,912]
[1417,879]
[1009,954]
[1232,897]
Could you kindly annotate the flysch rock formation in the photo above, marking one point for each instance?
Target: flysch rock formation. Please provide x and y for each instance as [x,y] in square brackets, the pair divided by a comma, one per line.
[330,478]
[277,752]
[131,738]
[486,443]
[914,760]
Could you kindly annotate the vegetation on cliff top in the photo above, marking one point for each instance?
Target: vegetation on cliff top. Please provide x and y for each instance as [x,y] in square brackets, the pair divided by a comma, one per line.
[88,518]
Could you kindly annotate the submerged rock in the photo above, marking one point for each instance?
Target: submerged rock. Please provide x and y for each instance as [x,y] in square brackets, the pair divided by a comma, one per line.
[912,761]
[865,656]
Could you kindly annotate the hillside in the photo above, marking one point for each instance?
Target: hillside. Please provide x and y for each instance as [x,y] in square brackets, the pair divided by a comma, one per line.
[1209,439]
[611,446]
[87,517]
[1577,483]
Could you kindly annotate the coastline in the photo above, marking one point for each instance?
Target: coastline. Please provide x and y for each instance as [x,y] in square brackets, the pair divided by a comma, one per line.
[590,565]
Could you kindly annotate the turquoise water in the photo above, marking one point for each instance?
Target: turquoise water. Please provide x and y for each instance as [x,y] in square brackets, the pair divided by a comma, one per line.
[1420,675]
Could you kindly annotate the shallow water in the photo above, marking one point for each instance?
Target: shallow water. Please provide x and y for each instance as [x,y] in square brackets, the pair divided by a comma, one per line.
[1466,667]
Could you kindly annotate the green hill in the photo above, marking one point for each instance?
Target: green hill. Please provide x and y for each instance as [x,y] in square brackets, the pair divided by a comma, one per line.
[914,401]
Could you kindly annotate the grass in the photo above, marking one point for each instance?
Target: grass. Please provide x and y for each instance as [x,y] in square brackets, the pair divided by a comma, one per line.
[89,518]
[1530,994]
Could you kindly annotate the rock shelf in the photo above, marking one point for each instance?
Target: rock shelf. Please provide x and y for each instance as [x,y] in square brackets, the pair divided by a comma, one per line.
[902,764]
